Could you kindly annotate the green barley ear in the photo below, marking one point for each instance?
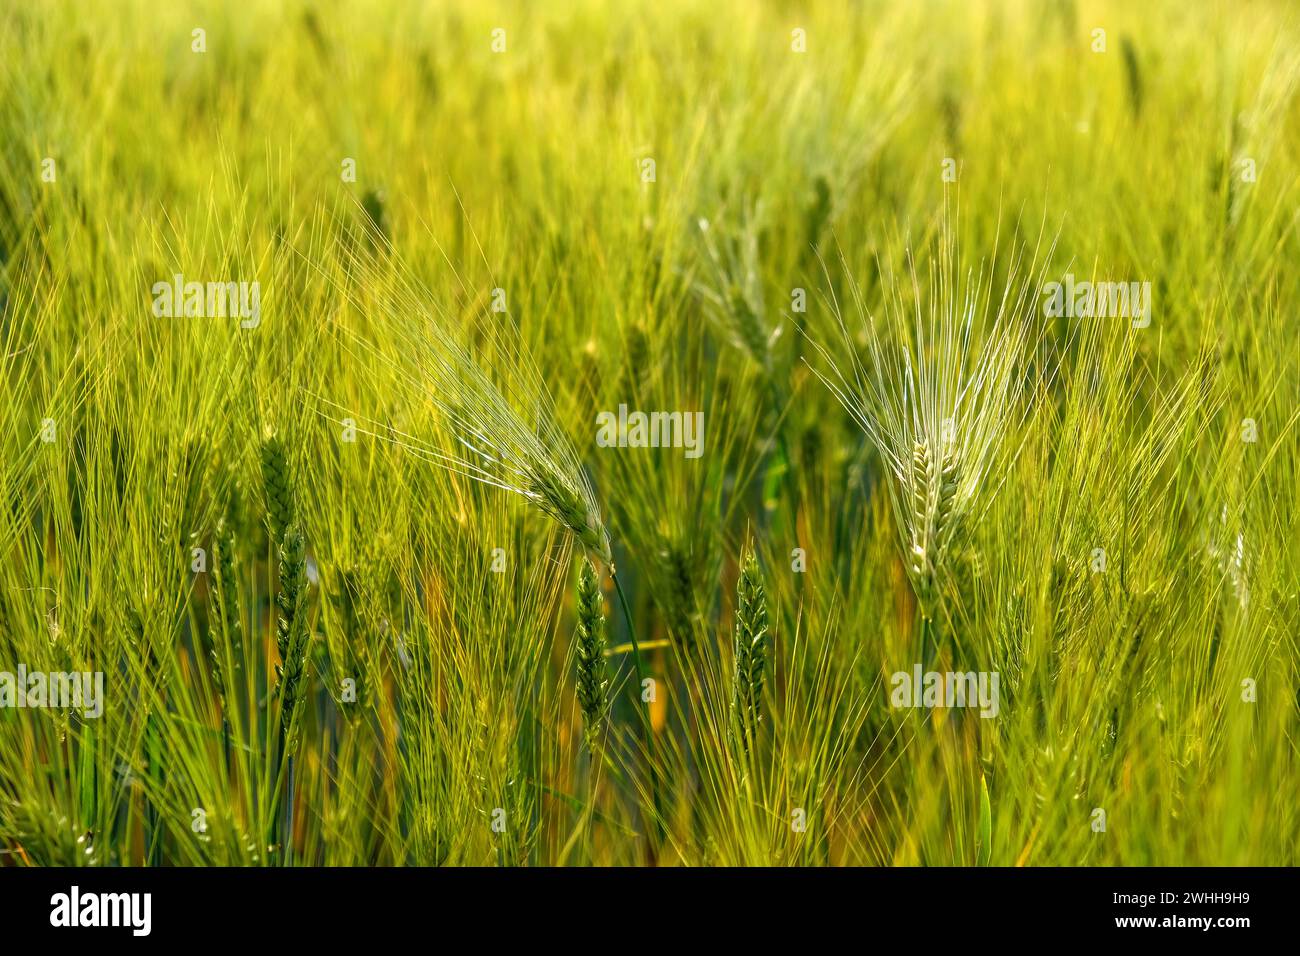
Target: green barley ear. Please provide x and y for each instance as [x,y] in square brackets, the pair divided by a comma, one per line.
[729,287]
[558,496]
[749,326]
[933,480]
[229,630]
[1132,74]
[499,420]
[372,204]
[279,487]
[817,213]
[593,687]
[680,599]
[752,638]
[291,634]
[940,397]
[638,363]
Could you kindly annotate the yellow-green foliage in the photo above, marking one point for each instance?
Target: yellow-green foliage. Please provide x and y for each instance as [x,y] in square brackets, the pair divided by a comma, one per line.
[1127,558]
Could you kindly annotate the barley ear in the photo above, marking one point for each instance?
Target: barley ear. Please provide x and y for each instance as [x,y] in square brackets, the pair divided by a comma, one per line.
[638,368]
[291,634]
[593,686]
[680,597]
[279,487]
[227,643]
[752,638]
[933,480]
[555,495]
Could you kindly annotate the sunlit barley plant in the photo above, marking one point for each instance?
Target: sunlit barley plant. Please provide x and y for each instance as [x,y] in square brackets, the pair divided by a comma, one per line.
[361,584]
[942,393]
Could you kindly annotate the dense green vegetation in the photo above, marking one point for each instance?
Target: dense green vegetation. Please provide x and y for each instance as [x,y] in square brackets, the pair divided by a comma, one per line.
[349,555]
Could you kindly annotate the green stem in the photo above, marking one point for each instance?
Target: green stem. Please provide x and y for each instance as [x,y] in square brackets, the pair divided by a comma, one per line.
[647,730]
[923,629]
[153,839]
[288,816]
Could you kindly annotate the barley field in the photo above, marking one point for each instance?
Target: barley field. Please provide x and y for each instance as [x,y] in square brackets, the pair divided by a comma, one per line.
[739,433]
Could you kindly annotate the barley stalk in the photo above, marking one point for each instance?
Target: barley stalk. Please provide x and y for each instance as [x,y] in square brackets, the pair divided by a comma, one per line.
[936,399]
[292,638]
[503,430]
[514,443]
[291,635]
